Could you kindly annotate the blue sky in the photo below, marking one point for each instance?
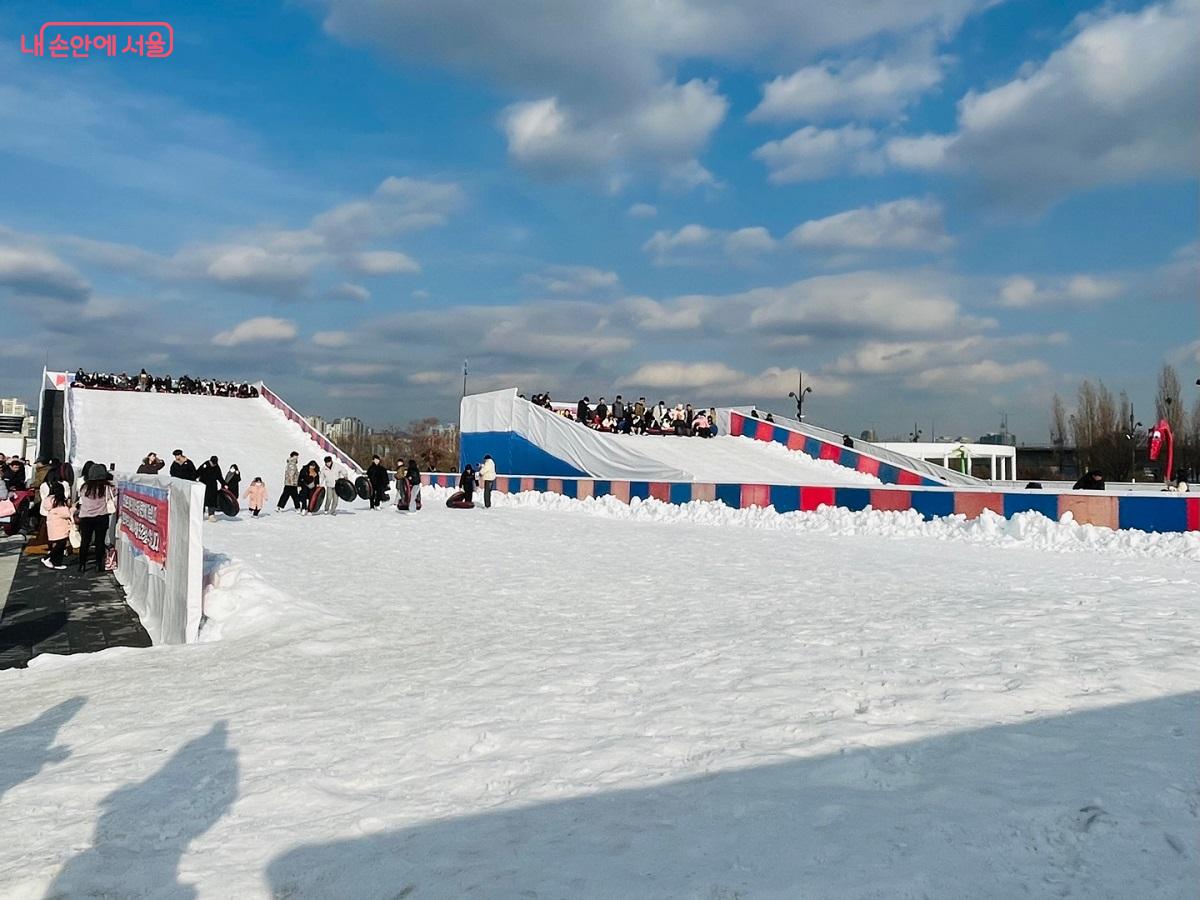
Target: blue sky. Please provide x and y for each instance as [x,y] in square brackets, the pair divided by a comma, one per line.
[937,209]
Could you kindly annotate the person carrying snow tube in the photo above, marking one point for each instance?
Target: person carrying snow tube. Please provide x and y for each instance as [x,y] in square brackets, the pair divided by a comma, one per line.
[330,475]
[209,475]
[408,486]
[291,482]
[311,492]
[461,499]
[377,476]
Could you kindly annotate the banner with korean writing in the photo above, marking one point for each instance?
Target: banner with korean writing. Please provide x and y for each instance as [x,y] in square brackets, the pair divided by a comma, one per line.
[143,513]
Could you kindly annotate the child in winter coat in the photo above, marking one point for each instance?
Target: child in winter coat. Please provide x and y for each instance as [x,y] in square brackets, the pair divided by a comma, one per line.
[256,496]
[59,519]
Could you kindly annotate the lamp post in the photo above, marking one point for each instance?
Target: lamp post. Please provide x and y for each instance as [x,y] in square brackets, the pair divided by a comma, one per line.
[915,435]
[798,396]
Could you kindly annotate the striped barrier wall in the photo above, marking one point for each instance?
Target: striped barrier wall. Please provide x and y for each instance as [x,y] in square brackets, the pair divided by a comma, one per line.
[1141,512]
[769,432]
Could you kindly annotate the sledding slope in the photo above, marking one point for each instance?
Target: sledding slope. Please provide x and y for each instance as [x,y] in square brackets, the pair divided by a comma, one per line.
[122,426]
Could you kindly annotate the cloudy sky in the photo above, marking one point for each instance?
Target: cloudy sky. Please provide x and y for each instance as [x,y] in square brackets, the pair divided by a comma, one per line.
[938,210]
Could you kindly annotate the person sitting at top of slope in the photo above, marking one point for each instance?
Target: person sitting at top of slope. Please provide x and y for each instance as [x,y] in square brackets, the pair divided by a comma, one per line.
[183,467]
[583,413]
[330,473]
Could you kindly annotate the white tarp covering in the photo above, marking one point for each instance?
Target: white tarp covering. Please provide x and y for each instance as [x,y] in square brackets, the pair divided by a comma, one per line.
[167,597]
[563,438]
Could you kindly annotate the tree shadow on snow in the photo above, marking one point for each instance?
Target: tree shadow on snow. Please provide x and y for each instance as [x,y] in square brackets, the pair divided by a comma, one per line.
[145,828]
[26,749]
[1101,803]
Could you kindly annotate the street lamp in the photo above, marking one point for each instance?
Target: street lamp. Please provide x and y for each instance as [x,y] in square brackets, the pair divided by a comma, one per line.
[798,396]
[915,434]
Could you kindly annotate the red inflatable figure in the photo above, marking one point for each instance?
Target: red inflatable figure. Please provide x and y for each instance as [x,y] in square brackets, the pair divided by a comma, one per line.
[1160,435]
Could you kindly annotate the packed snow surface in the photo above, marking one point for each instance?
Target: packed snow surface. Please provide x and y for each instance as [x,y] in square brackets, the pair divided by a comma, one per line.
[123,426]
[556,698]
[726,458]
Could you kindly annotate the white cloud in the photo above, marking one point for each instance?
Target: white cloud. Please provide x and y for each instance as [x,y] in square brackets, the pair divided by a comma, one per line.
[397,206]
[572,280]
[332,339]
[347,291]
[694,244]
[1116,104]
[811,153]
[983,373]
[380,262]
[857,89]
[34,272]
[352,370]
[1022,292]
[260,330]
[717,381]
[908,224]
[642,211]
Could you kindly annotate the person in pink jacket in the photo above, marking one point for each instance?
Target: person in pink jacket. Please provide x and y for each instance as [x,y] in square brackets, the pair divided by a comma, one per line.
[59,518]
[256,496]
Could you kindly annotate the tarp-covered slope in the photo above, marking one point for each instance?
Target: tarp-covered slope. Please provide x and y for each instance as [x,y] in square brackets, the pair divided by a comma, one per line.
[122,426]
[525,439]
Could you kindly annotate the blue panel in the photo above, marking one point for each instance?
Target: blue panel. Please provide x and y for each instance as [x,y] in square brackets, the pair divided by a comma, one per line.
[1035,501]
[601,488]
[812,447]
[640,489]
[888,474]
[780,435]
[1153,513]
[681,493]
[784,498]
[514,455]
[852,498]
[849,459]
[540,485]
[570,487]
[730,495]
[930,482]
[933,504]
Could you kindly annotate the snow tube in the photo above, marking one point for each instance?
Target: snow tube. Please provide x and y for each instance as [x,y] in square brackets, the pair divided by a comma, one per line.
[316,498]
[403,493]
[458,500]
[344,488]
[227,502]
[362,488]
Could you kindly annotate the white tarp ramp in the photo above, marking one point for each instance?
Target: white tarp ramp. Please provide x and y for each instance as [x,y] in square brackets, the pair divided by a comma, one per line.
[596,454]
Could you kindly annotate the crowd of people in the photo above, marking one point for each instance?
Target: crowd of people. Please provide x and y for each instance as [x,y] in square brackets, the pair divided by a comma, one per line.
[163,384]
[635,417]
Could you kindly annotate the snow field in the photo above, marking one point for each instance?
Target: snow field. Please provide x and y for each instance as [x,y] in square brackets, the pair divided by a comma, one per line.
[587,699]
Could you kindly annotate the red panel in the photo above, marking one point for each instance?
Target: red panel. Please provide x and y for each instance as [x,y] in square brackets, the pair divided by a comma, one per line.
[884,499]
[554,485]
[765,432]
[868,464]
[736,424]
[526,484]
[812,497]
[660,490]
[903,476]
[502,484]
[972,503]
[620,490]
[795,441]
[1193,513]
[1090,510]
[756,495]
[831,451]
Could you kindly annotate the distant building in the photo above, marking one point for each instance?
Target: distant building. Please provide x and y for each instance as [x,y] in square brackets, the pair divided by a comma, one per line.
[13,406]
[867,434]
[351,427]
[1002,438]
[317,422]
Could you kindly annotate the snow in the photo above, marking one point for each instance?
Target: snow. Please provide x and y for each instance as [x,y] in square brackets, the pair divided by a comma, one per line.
[123,426]
[726,458]
[557,698]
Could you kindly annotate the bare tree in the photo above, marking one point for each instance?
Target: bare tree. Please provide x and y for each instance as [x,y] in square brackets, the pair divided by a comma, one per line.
[1168,400]
[1058,421]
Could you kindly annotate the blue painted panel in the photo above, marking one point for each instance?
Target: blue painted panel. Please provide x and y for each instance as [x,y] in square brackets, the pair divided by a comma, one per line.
[601,488]
[780,435]
[570,487]
[1033,501]
[1153,513]
[929,482]
[933,505]
[730,495]
[514,455]
[639,489]
[888,474]
[681,493]
[852,498]
[785,498]
[849,459]
[540,485]
[812,447]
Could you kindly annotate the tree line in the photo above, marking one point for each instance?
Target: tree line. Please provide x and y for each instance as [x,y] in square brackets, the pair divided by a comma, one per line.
[1107,435]
[433,446]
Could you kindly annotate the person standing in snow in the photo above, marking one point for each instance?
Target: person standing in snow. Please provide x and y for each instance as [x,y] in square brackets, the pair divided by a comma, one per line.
[377,475]
[56,509]
[291,482]
[183,467]
[233,480]
[412,476]
[309,481]
[583,413]
[151,465]
[487,474]
[256,496]
[330,474]
[209,475]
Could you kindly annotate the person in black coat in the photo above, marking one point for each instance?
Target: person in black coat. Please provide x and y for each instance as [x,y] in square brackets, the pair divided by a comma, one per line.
[582,413]
[377,475]
[233,481]
[183,467]
[209,475]
[1092,480]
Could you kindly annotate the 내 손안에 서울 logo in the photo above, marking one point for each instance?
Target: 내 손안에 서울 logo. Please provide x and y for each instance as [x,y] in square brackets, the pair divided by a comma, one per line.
[80,40]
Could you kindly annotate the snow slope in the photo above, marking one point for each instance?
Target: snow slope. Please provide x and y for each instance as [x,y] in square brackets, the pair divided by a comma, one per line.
[727,458]
[122,426]
[823,705]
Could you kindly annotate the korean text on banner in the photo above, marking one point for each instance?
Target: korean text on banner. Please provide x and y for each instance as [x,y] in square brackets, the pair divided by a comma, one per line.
[144,519]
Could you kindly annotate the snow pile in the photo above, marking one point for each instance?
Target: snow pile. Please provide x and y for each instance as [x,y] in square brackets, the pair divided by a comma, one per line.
[1027,529]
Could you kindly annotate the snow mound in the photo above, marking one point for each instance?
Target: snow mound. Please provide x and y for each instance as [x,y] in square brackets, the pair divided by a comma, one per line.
[238,601]
[1027,529]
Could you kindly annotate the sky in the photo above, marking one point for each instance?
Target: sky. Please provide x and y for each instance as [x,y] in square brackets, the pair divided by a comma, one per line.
[938,211]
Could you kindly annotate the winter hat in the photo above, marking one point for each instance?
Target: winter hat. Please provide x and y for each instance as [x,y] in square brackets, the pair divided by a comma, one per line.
[97,472]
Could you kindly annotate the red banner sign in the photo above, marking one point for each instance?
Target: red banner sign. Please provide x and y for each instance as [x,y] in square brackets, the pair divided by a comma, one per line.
[143,514]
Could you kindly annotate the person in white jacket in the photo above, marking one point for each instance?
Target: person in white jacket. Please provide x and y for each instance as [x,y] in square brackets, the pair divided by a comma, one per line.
[330,473]
[487,474]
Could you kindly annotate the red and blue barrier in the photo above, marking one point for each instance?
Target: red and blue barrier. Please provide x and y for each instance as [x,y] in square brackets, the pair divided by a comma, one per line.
[1155,512]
